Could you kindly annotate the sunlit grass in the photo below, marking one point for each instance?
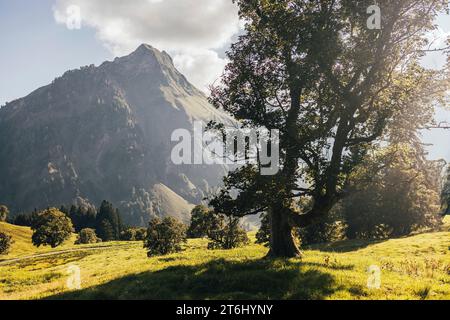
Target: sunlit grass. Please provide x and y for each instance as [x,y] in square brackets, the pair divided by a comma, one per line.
[412,268]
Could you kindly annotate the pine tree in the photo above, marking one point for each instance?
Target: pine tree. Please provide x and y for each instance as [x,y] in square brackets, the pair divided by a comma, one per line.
[108,222]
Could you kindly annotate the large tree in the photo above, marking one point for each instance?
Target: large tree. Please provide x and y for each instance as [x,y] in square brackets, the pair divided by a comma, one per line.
[51,227]
[330,85]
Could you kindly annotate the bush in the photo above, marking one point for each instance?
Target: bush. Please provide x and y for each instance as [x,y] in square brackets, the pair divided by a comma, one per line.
[86,236]
[133,234]
[128,235]
[52,227]
[5,243]
[4,212]
[202,221]
[141,233]
[227,233]
[164,236]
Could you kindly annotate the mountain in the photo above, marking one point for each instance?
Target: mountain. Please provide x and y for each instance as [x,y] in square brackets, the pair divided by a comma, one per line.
[104,133]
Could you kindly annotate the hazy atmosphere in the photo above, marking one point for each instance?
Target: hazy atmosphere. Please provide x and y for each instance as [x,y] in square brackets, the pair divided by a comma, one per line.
[220,150]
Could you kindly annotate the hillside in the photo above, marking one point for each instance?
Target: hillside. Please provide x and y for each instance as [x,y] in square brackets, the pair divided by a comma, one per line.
[416,267]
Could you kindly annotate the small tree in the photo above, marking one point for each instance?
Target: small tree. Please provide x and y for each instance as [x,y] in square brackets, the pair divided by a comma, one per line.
[128,235]
[4,212]
[86,236]
[141,233]
[52,227]
[202,221]
[164,236]
[227,233]
[5,243]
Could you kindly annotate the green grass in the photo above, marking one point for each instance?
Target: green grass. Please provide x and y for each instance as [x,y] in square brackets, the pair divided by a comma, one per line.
[416,268]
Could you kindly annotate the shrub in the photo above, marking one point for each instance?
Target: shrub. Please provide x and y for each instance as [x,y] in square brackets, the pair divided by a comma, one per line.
[52,227]
[141,233]
[128,235]
[133,234]
[5,243]
[86,236]
[4,212]
[164,236]
[202,221]
[227,233]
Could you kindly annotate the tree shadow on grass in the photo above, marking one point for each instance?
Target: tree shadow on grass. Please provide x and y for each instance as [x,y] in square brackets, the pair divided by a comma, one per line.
[344,246]
[217,279]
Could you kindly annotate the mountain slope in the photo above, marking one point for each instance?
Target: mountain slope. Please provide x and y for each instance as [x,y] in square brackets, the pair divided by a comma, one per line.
[104,133]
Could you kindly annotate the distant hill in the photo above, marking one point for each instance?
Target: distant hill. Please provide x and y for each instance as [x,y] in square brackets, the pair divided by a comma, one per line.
[22,245]
[104,133]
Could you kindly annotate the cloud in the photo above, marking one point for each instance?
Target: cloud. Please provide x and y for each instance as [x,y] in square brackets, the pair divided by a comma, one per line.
[192,31]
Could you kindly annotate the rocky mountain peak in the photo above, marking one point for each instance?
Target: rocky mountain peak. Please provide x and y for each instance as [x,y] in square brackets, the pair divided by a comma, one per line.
[104,133]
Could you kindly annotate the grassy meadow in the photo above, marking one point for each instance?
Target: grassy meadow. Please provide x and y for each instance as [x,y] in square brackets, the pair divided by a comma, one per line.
[416,267]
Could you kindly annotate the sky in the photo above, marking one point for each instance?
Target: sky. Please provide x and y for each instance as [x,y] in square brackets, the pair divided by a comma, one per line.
[40,40]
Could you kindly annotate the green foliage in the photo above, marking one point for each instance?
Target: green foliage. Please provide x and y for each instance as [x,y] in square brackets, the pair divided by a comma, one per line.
[164,236]
[202,222]
[332,87]
[87,236]
[445,194]
[263,234]
[226,233]
[24,219]
[328,229]
[128,235]
[108,222]
[51,227]
[393,194]
[133,234]
[141,233]
[5,243]
[4,212]
[82,217]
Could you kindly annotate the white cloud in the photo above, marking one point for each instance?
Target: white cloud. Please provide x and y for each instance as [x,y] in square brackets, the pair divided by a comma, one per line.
[204,67]
[437,40]
[190,30]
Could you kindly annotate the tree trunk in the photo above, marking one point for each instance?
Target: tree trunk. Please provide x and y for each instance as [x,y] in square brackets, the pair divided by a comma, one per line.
[282,243]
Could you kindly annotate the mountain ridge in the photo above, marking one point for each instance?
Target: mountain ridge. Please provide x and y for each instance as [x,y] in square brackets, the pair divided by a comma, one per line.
[104,133]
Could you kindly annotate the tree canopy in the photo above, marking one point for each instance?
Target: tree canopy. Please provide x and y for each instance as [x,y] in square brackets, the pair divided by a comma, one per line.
[51,227]
[332,87]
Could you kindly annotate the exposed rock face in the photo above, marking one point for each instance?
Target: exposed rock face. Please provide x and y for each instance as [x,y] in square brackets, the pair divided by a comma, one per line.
[104,133]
